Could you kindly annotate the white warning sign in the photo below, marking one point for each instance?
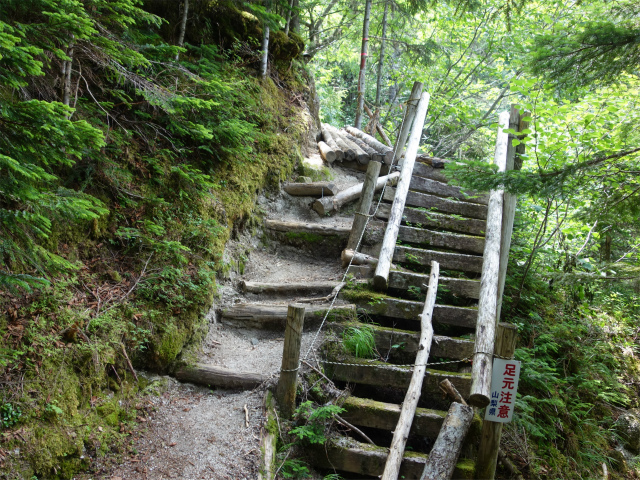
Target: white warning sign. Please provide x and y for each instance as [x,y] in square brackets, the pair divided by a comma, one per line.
[504,386]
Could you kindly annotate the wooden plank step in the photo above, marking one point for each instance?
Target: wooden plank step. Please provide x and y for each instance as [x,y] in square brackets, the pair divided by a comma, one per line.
[427,185]
[417,199]
[311,189]
[447,261]
[287,288]
[274,316]
[457,286]
[442,346]
[307,228]
[410,310]
[422,169]
[425,218]
[381,374]
[348,455]
[364,412]
[450,241]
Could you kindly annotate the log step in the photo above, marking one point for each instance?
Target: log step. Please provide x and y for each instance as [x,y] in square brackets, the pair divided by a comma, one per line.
[422,169]
[457,286]
[273,316]
[287,288]
[313,189]
[451,241]
[447,261]
[410,310]
[348,455]
[427,185]
[424,218]
[380,374]
[303,228]
[444,205]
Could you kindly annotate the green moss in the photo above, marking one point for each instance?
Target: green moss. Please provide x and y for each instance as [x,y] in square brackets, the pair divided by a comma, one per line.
[465,469]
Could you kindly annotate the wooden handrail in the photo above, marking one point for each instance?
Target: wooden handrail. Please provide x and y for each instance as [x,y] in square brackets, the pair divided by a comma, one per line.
[488,301]
[381,278]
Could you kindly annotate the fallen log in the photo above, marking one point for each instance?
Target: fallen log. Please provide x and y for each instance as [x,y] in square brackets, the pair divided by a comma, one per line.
[315,189]
[327,152]
[378,126]
[373,143]
[372,152]
[357,258]
[349,153]
[362,157]
[214,376]
[325,206]
[310,228]
[328,138]
[286,288]
[444,454]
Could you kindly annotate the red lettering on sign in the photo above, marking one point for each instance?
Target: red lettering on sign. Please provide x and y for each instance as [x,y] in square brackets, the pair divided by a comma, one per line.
[510,369]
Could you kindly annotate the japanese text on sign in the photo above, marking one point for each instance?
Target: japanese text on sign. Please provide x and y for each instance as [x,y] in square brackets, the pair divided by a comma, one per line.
[504,385]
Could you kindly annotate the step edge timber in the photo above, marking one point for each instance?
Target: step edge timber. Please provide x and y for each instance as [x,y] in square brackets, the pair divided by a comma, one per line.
[250,314]
[355,370]
[444,221]
[447,260]
[306,227]
[460,286]
[451,241]
[444,205]
[443,189]
[348,455]
[411,310]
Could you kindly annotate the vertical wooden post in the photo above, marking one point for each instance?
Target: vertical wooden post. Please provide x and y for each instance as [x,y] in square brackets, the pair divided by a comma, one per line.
[362,212]
[492,431]
[409,115]
[363,63]
[286,389]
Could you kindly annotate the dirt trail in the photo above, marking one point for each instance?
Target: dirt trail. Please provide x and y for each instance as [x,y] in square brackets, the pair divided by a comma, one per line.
[194,432]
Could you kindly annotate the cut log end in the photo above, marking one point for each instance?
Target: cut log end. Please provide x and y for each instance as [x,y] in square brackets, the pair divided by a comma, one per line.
[478,400]
[380,282]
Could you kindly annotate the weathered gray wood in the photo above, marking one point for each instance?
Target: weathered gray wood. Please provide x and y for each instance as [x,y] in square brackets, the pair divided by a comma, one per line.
[410,310]
[449,261]
[349,153]
[506,339]
[286,389]
[488,301]
[450,241]
[328,138]
[364,412]
[324,206]
[423,169]
[458,286]
[433,161]
[373,143]
[362,212]
[270,316]
[361,272]
[357,258]
[214,376]
[347,455]
[444,455]
[407,122]
[268,440]
[362,157]
[314,189]
[373,153]
[391,234]
[401,433]
[423,218]
[444,205]
[327,153]
[427,185]
[260,288]
[309,228]
[385,375]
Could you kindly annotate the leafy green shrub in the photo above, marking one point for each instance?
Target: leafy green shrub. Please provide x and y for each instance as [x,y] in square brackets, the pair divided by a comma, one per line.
[313,431]
[360,341]
[10,415]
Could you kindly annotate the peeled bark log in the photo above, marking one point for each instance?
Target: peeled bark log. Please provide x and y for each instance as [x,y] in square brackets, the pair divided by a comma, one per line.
[444,454]
[312,228]
[372,152]
[373,143]
[214,376]
[349,153]
[329,140]
[327,153]
[314,189]
[357,258]
[259,288]
[362,157]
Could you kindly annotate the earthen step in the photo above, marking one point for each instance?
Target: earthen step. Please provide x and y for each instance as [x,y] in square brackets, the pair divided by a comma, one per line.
[424,218]
[347,455]
[411,310]
[427,185]
[447,261]
[457,286]
[444,205]
[450,241]
[380,374]
[274,316]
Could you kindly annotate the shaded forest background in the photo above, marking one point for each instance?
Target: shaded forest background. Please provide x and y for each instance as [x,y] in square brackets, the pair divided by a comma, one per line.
[131,150]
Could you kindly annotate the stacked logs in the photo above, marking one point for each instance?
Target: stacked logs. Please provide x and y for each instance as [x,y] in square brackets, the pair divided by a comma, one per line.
[351,144]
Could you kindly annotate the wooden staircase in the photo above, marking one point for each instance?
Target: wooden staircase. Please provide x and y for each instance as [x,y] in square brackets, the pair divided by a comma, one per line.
[441,223]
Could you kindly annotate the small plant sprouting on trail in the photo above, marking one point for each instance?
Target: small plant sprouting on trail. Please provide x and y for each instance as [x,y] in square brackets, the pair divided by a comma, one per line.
[313,431]
[360,341]
[9,415]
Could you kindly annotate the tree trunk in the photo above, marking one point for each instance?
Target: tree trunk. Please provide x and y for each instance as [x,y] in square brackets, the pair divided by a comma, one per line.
[363,63]
[183,26]
[288,24]
[66,74]
[265,46]
[295,18]
[381,59]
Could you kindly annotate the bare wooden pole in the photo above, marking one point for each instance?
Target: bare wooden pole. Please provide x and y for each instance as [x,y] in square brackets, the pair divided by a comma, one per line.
[396,451]
[391,234]
[492,431]
[265,44]
[286,389]
[488,301]
[409,115]
[362,212]
[183,26]
[363,63]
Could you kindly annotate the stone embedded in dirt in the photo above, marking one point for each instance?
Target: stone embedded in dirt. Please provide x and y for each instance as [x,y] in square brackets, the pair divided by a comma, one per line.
[254,341]
[628,427]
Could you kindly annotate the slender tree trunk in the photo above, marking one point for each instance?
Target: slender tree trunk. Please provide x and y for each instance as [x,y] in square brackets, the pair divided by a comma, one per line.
[183,25]
[288,24]
[295,18]
[265,46]
[66,76]
[381,60]
[363,63]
